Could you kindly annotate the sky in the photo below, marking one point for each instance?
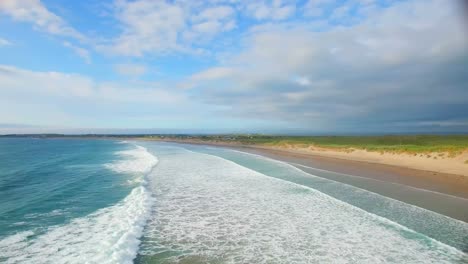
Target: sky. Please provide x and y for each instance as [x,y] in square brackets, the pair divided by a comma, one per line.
[233,66]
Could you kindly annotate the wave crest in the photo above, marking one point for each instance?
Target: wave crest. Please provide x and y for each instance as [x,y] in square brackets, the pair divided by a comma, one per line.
[137,160]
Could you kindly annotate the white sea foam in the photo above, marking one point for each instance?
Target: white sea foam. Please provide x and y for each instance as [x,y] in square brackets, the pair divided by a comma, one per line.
[52,213]
[15,240]
[440,227]
[109,235]
[218,211]
[137,160]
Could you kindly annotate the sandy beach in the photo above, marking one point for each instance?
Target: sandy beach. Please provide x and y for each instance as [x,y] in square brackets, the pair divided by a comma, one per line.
[443,193]
[444,163]
[448,183]
[448,175]
[436,162]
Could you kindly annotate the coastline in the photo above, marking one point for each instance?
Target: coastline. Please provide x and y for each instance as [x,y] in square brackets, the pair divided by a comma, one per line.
[451,184]
[446,194]
[433,162]
[430,178]
[443,193]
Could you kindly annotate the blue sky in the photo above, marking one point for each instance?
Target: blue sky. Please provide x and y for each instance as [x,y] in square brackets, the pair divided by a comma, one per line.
[312,66]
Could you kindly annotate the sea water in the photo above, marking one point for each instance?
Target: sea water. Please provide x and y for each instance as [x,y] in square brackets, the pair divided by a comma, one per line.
[72,201]
[103,201]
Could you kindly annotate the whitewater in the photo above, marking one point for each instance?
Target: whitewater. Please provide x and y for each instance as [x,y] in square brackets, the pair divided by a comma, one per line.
[109,235]
[188,204]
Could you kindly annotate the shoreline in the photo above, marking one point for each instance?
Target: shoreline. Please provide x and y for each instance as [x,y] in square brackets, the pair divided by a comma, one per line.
[430,180]
[431,162]
[446,194]
[441,193]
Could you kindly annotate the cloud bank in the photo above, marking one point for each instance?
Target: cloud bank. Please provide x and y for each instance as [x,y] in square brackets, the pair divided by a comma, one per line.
[308,66]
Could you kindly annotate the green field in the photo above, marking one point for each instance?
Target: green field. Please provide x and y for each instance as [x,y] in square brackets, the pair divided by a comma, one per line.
[452,144]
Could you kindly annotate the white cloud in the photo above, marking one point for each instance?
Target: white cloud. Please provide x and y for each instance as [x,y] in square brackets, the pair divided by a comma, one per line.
[213,74]
[33,11]
[208,75]
[214,13]
[275,10]
[4,42]
[130,69]
[162,27]
[149,27]
[14,80]
[212,21]
[348,71]
[282,68]
[61,99]
[398,34]
[142,94]
[304,81]
[316,8]
[340,12]
[30,113]
[83,53]
[19,84]
[209,27]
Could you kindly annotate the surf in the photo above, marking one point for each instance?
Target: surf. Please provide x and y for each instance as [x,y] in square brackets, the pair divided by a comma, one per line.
[109,235]
[217,210]
[439,227]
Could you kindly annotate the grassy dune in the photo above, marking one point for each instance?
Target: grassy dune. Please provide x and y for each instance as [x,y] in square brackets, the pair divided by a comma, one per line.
[452,144]
[412,144]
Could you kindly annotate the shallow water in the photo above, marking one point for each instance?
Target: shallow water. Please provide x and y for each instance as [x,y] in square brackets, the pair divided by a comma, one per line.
[77,201]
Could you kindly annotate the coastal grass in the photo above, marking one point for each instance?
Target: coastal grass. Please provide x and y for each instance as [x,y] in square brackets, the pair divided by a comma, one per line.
[413,144]
[452,144]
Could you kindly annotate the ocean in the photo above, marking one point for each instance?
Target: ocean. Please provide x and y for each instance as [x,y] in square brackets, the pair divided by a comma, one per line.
[113,201]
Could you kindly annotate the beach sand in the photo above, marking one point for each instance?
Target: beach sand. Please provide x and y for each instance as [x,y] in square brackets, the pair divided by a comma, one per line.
[447,183]
[446,194]
[437,162]
[433,171]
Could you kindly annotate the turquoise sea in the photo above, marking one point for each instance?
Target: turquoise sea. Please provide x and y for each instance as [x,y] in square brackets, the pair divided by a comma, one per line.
[112,201]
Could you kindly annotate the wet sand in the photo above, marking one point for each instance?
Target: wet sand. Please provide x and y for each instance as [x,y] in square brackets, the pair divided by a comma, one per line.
[447,183]
[446,194]
[451,184]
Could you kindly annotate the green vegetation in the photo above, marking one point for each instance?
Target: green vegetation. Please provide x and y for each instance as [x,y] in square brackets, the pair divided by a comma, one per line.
[452,144]
[420,145]
[413,144]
